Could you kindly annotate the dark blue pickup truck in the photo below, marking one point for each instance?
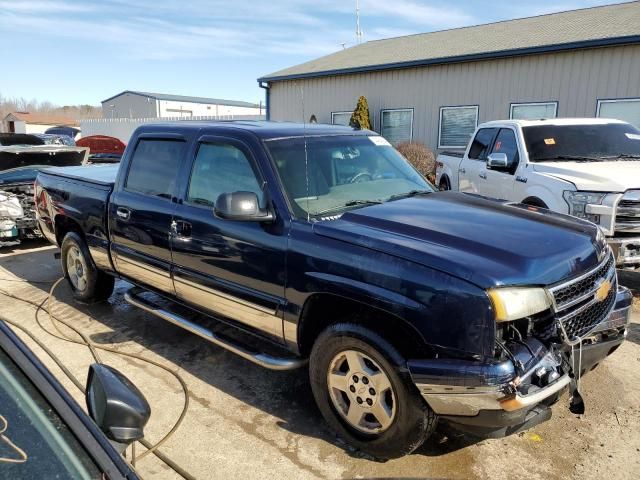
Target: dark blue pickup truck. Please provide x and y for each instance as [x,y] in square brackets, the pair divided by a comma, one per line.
[410,305]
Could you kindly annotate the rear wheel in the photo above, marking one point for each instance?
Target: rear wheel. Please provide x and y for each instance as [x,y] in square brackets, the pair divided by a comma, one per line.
[364,395]
[87,283]
[444,184]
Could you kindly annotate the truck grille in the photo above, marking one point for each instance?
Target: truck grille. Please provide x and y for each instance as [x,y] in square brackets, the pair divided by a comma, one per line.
[581,304]
[628,212]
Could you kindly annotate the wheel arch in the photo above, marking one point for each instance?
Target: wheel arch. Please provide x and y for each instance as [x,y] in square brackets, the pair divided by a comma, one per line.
[446,180]
[64,225]
[319,312]
[535,201]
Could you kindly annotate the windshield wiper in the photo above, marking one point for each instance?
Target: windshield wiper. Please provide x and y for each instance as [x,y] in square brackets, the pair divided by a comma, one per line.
[350,203]
[411,193]
[574,158]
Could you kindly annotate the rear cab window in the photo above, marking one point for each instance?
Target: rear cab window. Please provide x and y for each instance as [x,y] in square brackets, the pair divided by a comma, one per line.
[154,167]
[482,143]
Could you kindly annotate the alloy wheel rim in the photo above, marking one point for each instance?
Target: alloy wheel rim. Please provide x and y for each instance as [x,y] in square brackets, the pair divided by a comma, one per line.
[77,269]
[361,392]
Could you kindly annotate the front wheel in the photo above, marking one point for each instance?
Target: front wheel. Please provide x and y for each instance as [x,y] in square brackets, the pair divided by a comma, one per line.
[87,283]
[363,394]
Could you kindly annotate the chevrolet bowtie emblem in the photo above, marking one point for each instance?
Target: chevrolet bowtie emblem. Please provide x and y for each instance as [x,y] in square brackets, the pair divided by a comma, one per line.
[603,290]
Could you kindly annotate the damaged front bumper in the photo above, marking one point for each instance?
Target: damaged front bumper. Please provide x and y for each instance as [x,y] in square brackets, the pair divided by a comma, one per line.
[502,398]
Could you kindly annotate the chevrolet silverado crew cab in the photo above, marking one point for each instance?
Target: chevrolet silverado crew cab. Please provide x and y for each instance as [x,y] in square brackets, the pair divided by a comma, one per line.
[589,168]
[409,305]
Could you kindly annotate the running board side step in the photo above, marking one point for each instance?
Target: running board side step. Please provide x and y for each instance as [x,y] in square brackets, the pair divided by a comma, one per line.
[133,297]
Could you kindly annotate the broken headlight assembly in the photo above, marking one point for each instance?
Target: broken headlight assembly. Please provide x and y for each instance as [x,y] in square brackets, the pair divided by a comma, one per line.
[514,303]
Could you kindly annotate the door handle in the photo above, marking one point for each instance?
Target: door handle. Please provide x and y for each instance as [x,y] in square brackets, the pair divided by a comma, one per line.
[483,175]
[123,213]
[462,170]
[181,229]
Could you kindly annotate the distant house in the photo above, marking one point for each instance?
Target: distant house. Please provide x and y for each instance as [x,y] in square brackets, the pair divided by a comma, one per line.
[26,122]
[132,104]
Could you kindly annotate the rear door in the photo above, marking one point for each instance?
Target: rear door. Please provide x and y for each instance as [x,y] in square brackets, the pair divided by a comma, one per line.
[141,211]
[472,173]
[229,268]
[500,182]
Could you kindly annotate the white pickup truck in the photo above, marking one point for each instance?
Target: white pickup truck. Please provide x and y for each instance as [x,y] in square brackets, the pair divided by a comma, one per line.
[585,167]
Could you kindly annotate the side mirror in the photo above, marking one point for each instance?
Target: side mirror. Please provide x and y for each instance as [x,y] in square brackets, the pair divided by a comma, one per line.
[497,160]
[242,206]
[116,405]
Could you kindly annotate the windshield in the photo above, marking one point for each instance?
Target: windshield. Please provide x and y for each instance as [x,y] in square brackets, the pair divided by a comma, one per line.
[34,441]
[344,171]
[582,142]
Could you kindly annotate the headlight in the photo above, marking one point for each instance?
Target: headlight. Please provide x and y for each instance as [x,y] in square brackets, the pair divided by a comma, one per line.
[578,202]
[512,303]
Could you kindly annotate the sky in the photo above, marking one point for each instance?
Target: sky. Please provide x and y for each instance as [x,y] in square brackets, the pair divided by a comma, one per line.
[82,52]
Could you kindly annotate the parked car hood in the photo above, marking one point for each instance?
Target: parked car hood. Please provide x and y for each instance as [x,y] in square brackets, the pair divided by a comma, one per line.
[486,242]
[604,176]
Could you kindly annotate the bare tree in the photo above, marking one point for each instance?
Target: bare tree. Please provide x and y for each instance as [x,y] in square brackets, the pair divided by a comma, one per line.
[73,112]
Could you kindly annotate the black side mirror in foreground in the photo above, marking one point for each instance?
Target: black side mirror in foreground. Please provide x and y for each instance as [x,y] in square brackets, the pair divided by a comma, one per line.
[116,405]
[242,206]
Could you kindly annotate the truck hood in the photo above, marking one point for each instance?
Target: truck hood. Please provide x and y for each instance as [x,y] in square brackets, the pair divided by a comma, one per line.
[486,242]
[605,176]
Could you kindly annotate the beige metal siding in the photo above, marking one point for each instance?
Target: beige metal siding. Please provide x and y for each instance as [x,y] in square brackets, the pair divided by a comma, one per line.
[576,80]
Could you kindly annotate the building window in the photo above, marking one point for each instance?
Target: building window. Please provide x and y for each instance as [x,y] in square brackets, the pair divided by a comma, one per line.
[533,111]
[627,110]
[457,124]
[341,118]
[397,125]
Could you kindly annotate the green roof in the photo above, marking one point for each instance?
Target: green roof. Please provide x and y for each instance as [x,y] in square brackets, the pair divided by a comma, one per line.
[590,27]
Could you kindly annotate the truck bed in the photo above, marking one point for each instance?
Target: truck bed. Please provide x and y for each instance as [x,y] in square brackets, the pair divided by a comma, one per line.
[84,202]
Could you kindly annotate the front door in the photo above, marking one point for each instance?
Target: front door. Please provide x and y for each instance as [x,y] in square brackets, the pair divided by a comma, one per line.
[141,210]
[472,173]
[500,182]
[231,269]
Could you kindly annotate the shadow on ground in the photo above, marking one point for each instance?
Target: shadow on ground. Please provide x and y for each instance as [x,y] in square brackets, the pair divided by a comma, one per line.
[286,396]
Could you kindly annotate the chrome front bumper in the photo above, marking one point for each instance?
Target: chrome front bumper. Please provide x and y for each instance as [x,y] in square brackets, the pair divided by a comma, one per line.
[626,251]
[465,389]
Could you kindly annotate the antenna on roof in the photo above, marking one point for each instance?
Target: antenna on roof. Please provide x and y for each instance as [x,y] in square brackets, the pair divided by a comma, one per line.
[358,29]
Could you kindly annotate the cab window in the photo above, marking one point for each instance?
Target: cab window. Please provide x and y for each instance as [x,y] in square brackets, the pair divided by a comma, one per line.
[481,143]
[154,167]
[220,168]
[506,143]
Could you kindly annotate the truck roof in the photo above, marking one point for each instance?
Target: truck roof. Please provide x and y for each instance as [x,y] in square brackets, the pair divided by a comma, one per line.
[262,129]
[553,121]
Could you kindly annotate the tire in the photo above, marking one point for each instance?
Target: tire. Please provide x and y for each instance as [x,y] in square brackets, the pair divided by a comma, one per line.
[87,283]
[406,420]
[444,184]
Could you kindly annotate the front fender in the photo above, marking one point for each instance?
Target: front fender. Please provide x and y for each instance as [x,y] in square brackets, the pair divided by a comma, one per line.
[549,190]
[449,313]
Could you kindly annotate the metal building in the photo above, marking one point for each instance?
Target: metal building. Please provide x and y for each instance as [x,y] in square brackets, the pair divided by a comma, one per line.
[436,87]
[132,104]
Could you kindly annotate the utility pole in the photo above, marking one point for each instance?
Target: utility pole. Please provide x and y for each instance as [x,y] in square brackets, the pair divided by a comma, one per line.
[358,30]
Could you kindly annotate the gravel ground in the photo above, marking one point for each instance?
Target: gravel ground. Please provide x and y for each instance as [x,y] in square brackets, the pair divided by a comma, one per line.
[247,422]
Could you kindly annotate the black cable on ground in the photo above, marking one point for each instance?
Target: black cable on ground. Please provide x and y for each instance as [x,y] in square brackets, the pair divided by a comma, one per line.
[151,448]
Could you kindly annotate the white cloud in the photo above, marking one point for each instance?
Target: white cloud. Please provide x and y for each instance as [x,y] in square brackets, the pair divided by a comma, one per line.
[44,6]
[417,13]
